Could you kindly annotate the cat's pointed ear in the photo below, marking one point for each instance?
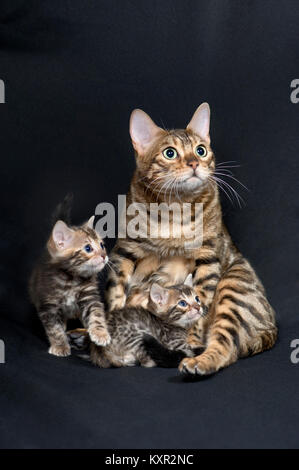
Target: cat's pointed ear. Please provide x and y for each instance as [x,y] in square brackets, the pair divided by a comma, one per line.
[62,235]
[90,222]
[143,131]
[188,281]
[158,294]
[200,122]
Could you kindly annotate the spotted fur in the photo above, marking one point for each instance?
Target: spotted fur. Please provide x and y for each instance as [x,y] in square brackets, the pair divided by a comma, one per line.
[165,321]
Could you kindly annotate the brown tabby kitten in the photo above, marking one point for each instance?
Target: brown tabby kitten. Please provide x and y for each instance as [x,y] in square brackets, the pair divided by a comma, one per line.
[179,166]
[64,285]
[171,312]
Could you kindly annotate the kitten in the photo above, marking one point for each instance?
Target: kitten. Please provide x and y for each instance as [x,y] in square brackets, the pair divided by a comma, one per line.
[170,314]
[64,285]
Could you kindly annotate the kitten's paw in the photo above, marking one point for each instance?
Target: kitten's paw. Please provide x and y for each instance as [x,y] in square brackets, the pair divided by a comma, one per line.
[99,336]
[63,350]
[117,304]
[148,363]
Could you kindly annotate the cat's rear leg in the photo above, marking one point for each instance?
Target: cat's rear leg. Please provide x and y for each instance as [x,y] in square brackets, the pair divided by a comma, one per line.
[243,323]
[164,357]
[78,338]
[98,356]
[106,357]
[145,359]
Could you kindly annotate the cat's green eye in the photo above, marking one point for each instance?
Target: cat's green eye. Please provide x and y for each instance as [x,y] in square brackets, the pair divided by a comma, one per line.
[201,151]
[170,153]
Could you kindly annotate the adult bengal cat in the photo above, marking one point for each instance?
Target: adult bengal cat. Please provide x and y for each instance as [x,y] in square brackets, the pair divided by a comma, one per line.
[179,166]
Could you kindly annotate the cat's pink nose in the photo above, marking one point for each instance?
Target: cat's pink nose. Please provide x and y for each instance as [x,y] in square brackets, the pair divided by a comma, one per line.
[193,164]
[196,307]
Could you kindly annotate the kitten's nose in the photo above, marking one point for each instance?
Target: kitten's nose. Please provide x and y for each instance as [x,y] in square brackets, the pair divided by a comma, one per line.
[194,164]
[196,307]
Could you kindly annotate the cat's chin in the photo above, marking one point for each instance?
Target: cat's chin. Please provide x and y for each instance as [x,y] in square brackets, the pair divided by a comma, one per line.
[192,184]
[90,269]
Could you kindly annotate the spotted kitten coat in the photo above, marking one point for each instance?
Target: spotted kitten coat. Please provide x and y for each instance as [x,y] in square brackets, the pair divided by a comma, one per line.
[171,312]
[64,285]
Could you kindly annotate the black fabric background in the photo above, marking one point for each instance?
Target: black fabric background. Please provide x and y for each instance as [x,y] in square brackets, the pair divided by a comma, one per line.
[73,72]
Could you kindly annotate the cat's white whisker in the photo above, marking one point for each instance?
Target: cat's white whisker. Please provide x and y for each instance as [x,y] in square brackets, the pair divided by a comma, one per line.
[239,199]
[232,177]
[224,163]
[217,183]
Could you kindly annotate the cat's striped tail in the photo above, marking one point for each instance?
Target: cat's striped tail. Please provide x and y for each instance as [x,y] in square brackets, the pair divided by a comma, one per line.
[63,210]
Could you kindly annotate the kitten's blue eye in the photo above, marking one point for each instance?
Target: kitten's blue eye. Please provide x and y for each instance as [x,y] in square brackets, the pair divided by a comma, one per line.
[88,248]
[182,303]
[170,153]
[102,245]
[201,151]
[197,299]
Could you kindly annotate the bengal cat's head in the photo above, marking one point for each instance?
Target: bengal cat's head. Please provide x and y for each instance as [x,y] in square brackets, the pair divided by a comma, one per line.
[178,305]
[181,161]
[78,249]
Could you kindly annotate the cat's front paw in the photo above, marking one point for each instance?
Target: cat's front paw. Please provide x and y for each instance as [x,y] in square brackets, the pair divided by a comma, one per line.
[99,336]
[62,350]
[197,366]
[188,366]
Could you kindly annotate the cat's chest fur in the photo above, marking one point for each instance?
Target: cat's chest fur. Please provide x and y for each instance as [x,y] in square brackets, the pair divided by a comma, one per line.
[167,271]
[69,302]
[69,297]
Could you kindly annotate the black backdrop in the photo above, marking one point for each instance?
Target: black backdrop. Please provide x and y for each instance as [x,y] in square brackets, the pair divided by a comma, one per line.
[73,72]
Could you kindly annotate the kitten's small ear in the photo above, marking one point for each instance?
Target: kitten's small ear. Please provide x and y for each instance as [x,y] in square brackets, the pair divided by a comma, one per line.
[158,294]
[143,131]
[200,122]
[90,222]
[188,281]
[62,235]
